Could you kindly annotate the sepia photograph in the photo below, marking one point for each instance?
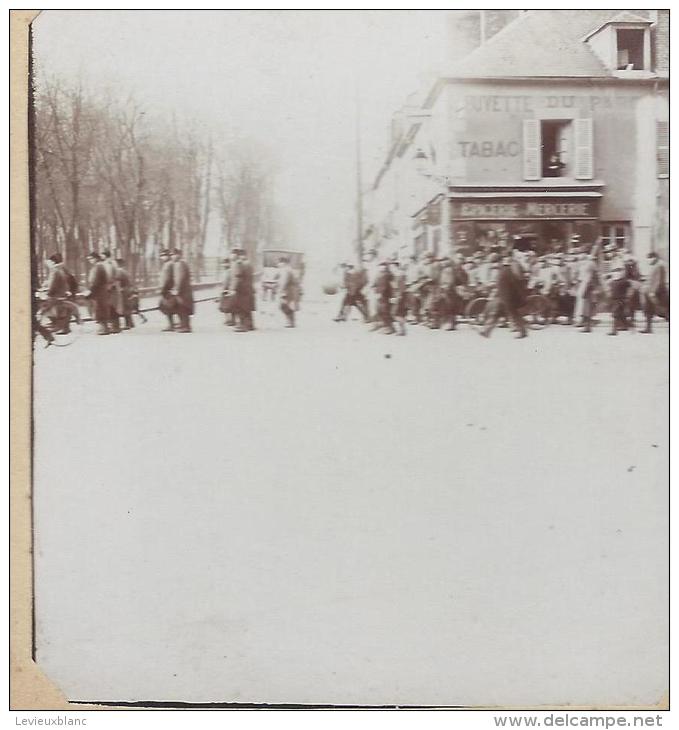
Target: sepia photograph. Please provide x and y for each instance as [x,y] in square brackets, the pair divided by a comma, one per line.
[415,483]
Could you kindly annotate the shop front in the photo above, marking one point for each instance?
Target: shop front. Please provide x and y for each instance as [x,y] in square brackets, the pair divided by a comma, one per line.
[539,220]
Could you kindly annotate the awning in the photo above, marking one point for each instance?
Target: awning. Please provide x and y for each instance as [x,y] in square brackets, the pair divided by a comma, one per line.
[527,194]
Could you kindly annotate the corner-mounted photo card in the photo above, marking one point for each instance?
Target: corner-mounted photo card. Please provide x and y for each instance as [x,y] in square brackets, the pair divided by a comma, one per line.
[345,368]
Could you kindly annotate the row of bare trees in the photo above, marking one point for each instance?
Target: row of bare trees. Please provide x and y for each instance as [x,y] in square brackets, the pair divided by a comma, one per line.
[107,175]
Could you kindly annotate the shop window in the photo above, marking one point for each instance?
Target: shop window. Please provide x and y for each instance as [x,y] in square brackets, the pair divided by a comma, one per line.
[617,234]
[663,148]
[630,49]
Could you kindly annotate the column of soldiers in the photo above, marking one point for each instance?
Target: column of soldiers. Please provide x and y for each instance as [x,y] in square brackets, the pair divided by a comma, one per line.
[238,298]
[435,291]
[430,291]
[113,299]
[110,293]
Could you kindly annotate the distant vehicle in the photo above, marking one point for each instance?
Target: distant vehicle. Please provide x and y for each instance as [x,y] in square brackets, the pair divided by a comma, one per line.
[270,257]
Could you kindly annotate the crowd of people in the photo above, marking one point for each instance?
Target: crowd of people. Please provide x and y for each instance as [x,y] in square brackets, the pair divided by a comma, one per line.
[112,298]
[238,297]
[435,291]
[110,294]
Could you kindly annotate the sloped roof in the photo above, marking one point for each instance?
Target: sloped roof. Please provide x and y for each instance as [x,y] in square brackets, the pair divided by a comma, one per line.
[541,43]
[625,17]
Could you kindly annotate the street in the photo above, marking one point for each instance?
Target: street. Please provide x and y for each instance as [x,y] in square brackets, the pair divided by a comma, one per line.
[329,515]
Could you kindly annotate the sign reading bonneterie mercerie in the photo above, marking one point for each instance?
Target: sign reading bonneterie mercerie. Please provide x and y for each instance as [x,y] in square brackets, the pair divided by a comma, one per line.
[490,209]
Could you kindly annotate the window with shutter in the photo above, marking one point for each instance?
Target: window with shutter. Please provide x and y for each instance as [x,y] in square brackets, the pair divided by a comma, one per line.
[584,159]
[663,148]
[531,149]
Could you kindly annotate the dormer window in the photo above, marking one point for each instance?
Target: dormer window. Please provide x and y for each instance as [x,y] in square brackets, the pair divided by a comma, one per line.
[630,49]
[623,44]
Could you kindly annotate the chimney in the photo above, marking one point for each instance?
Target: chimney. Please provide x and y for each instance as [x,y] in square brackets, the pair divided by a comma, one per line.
[660,39]
[468,29]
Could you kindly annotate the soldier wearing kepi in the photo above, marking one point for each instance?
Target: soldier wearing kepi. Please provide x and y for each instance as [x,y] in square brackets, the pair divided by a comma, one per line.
[167,304]
[585,297]
[400,297]
[288,290]
[181,279]
[244,290]
[384,289]
[654,294]
[508,297]
[226,299]
[353,283]
[127,295]
[97,281]
[618,287]
[58,288]
[345,304]
[115,298]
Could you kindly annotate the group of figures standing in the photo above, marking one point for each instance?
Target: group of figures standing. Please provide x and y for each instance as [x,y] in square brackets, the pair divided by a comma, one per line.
[430,291]
[111,295]
[238,298]
[112,299]
[437,291]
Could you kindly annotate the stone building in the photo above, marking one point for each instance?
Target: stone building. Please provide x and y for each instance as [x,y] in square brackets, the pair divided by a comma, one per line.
[556,126]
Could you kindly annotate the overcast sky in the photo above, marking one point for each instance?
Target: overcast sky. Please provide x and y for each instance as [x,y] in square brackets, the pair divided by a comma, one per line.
[286,78]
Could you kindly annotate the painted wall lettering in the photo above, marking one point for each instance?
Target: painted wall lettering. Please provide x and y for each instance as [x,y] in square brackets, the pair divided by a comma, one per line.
[489,148]
[491,210]
[556,209]
[525,209]
[611,102]
[559,102]
[502,104]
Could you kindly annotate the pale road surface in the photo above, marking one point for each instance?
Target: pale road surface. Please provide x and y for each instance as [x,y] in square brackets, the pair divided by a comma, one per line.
[293,516]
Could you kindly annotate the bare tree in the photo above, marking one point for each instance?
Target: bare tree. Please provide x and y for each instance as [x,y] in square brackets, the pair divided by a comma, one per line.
[110,176]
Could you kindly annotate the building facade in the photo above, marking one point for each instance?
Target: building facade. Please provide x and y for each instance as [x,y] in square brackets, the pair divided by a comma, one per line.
[556,127]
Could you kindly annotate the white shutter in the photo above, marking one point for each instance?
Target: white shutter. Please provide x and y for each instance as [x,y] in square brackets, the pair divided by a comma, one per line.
[532,153]
[584,158]
[663,148]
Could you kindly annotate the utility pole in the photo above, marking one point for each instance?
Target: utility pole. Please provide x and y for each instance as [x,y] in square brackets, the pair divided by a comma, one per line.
[359,179]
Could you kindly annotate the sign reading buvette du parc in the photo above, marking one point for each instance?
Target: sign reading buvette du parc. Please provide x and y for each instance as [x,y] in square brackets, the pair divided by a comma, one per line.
[536,208]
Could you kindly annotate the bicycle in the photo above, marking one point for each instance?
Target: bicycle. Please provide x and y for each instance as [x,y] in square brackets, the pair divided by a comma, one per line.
[537,309]
[59,318]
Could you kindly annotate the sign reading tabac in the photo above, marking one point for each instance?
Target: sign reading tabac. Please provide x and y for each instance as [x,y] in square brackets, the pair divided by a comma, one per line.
[521,209]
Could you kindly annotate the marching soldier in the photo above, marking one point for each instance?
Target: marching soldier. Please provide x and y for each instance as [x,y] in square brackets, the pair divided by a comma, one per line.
[288,290]
[99,293]
[618,287]
[182,290]
[430,290]
[354,281]
[443,307]
[345,304]
[58,288]
[585,297]
[507,298]
[400,301]
[413,276]
[244,290]
[655,298]
[371,270]
[383,289]
[128,294]
[114,294]
[168,303]
[226,299]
